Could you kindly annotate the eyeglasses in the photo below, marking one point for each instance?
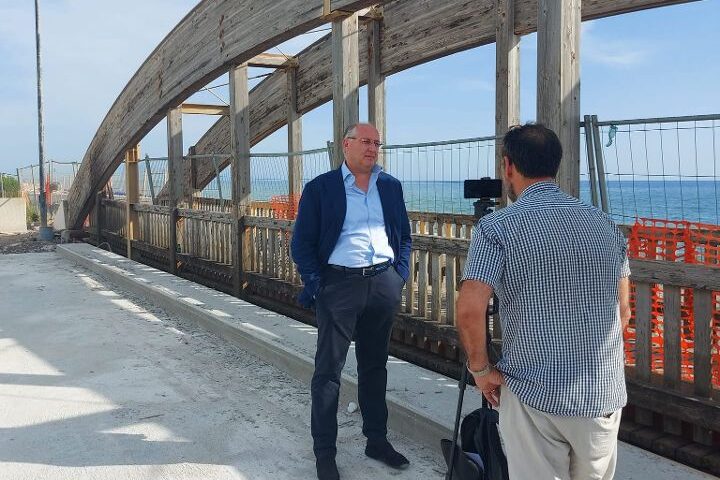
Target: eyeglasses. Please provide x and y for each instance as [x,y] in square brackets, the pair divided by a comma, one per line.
[367,142]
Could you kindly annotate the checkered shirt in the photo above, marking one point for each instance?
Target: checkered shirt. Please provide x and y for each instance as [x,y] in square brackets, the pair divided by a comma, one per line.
[554,264]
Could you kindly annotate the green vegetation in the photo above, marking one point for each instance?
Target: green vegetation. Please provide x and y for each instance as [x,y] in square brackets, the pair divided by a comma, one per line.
[11,187]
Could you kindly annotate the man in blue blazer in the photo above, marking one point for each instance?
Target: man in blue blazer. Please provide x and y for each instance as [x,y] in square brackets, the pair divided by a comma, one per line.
[351,243]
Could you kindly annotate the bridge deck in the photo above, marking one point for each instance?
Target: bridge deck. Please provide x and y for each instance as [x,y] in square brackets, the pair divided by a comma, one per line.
[110,376]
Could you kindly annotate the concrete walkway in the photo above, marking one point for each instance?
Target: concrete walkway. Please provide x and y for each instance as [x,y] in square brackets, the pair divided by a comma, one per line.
[99,384]
[96,382]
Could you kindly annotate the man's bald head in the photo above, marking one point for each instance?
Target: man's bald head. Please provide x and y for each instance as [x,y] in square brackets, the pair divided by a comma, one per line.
[361,144]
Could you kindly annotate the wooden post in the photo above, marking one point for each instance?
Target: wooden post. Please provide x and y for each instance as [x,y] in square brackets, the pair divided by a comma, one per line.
[376,85]
[558,94]
[175,180]
[295,143]
[346,80]
[98,217]
[132,196]
[192,183]
[240,151]
[507,78]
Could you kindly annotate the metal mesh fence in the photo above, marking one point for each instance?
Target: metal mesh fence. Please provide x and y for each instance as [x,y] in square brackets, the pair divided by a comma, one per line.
[432,174]
[657,168]
[152,175]
[662,168]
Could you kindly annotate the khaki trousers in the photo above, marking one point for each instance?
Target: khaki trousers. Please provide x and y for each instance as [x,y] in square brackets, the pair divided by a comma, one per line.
[550,447]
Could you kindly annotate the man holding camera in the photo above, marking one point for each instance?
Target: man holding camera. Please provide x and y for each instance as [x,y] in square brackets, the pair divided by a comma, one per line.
[351,244]
[560,271]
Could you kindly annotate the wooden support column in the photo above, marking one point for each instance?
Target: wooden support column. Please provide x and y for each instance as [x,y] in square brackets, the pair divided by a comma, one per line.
[98,217]
[346,80]
[240,151]
[175,180]
[507,78]
[558,95]
[295,143]
[376,85]
[132,187]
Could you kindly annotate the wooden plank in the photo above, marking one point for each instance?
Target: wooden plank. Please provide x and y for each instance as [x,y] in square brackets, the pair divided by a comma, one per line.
[422,283]
[264,250]
[678,274]
[558,83]
[436,282]
[207,215]
[643,332]
[282,256]
[172,241]
[376,85]
[410,284]
[159,209]
[685,408]
[702,362]
[671,336]
[346,80]
[204,109]
[450,289]
[273,60]
[98,217]
[435,244]
[507,78]
[272,223]
[272,251]
[295,137]
[703,435]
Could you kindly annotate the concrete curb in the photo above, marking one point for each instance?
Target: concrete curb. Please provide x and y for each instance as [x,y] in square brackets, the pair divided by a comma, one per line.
[403,417]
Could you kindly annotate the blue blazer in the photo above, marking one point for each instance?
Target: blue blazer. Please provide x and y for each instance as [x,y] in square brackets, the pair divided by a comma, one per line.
[320,218]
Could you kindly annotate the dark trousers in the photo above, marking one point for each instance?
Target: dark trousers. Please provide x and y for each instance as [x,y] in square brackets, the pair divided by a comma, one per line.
[352,307]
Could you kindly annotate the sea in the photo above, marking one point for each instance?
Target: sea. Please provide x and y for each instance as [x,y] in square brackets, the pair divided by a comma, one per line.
[691,200]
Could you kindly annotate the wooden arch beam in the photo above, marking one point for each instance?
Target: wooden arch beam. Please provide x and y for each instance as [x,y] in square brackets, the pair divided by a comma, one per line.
[409,39]
[215,35]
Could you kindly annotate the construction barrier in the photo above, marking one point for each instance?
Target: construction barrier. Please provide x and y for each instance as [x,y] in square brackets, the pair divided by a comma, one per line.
[285,206]
[675,241]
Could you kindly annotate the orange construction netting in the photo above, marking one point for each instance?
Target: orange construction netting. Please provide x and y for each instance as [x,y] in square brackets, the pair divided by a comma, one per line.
[675,241]
[284,206]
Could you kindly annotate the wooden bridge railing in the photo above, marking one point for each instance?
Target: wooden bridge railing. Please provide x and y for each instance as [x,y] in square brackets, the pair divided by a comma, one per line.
[677,401]
[676,405]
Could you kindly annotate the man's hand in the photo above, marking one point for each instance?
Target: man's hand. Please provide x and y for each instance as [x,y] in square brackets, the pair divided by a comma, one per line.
[489,386]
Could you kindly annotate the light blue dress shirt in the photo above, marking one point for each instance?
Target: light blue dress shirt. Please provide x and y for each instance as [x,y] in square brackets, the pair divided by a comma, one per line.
[363,240]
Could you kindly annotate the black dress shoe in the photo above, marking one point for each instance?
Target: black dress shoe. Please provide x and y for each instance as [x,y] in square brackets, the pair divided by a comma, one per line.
[327,469]
[385,453]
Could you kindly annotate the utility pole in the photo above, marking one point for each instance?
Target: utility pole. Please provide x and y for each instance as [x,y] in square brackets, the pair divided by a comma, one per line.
[45,232]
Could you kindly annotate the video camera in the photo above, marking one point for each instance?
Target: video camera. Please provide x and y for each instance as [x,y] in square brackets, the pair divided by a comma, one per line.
[486,190]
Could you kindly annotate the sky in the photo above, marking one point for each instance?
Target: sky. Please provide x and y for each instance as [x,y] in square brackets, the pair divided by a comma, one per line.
[661,62]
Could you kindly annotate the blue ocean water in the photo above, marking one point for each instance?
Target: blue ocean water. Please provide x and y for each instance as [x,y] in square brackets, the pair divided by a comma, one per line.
[692,200]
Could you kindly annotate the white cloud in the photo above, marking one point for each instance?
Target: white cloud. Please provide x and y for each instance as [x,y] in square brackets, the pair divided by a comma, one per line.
[611,52]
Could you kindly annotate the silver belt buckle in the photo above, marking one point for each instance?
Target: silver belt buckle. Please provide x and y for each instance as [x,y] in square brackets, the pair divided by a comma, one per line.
[365,268]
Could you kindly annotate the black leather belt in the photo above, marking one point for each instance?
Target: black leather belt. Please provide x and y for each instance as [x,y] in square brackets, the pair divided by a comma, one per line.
[363,271]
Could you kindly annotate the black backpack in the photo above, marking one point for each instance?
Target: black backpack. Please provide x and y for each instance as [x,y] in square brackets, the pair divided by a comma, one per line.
[478,436]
